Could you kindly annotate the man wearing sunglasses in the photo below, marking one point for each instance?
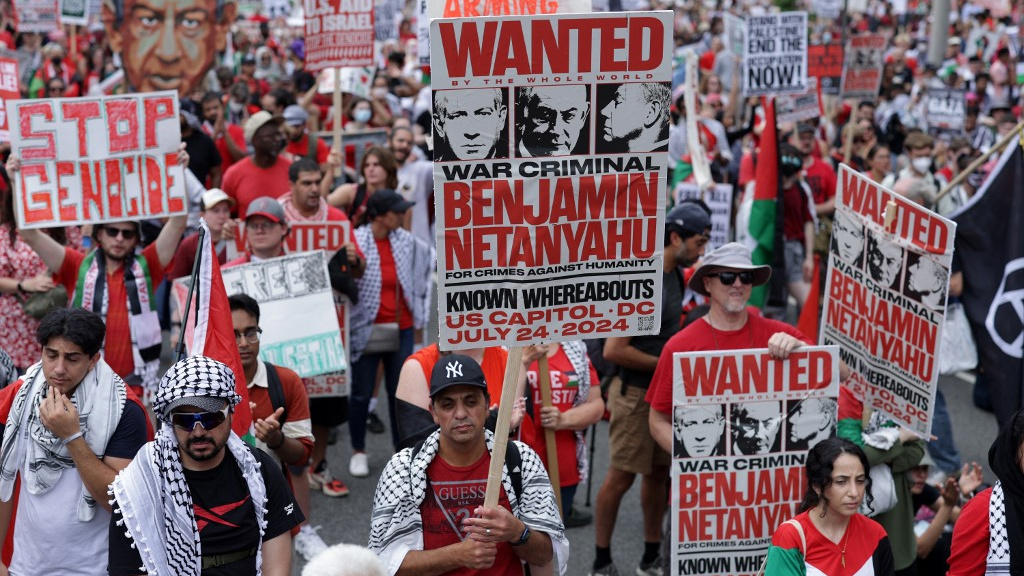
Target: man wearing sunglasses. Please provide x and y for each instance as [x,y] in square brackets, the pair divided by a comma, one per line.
[198,498]
[69,426]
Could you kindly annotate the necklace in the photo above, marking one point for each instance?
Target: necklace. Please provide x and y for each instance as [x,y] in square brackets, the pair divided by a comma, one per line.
[842,557]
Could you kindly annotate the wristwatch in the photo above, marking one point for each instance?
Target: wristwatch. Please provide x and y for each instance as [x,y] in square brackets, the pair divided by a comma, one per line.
[522,539]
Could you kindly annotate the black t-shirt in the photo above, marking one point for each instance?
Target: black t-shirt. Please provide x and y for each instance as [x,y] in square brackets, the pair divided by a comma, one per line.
[225,516]
[929,495]
[671,320]
[202,154]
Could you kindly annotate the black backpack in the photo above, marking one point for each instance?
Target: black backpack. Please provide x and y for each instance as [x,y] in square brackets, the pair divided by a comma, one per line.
[513,461]
[276,391]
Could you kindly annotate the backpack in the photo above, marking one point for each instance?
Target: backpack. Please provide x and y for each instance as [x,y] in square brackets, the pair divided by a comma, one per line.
[276,391]
[513,461]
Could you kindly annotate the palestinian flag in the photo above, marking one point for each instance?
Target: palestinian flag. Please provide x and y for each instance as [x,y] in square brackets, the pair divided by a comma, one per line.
[761,227]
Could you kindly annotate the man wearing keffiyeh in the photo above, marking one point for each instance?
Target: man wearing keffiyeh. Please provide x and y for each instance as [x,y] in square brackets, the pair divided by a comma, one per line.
[198,500]
[68,427]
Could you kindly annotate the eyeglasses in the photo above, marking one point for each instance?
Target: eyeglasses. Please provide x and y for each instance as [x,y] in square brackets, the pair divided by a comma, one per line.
[250,336]
[126,233]
[728,278]
[208,420]
[260,227]
[56,88]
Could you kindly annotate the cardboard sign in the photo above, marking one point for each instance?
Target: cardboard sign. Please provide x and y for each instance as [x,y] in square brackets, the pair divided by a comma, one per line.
[475,8]
[719,200]
[302,237]
[544,233]
[355,81]
[885,299]
[742,424]
[97,159]
[38,15]
[735,34]
[356,144]
[829,8]
[797,107]
[945,109]
[293,291]
[336,383]
[386,14]
[825,62]
[9,90]
[775,55]
[74,12]
[862,71]
[422,33]
[339,33]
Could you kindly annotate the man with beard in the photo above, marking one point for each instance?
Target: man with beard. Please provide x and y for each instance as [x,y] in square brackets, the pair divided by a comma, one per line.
[198,497]
[265,173]
[415,184]
[633,450]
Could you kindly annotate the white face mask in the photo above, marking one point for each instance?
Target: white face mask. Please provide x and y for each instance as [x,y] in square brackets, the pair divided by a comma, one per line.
[379,92]
[921,165]
[362,115]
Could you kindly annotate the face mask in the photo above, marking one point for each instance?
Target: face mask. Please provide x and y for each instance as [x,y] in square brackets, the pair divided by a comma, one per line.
[57,60]
[235,107]
[921,165]
[976,179]
[379,92]
[362,116]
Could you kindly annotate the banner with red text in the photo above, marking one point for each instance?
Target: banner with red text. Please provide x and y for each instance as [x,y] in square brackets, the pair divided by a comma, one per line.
[550,140]
[96,159]
[862,68]
[742,423]
[476,8]
[885,299]
[9,90]
[338,33]
[302,237]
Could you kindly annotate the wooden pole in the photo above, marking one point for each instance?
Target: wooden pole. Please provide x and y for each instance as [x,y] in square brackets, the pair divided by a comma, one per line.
[980,160]
[338,144]
[544,376]
[508,398]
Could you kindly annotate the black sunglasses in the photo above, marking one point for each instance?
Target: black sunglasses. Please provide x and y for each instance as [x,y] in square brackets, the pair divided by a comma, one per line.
[126,233]
[728,278]
[208,420]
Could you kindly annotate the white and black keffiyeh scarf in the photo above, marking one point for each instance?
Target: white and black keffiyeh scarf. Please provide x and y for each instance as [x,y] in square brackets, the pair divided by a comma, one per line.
[998,558]
[91,293]
[40,456]
[8,373]
[1006,505]
[152,496]
[414,264]
[576,351]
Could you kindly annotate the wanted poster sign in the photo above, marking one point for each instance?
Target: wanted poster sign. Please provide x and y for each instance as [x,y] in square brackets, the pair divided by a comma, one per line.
[797,107]
[339,33]
[96,159]
[719,200]
[862,70]
[742,424]
[302,237]
[9,90]
[886,297]
[476,8]
[775,54]
[293,291]
[550,140]
[945,109]
[38,15]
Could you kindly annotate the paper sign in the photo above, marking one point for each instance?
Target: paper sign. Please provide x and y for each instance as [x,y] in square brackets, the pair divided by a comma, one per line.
[355,81]
[475,8]
[945,109]
[825,62]
[74,12]
[338,33]
[9,90]
[797,107]
[775,55]
[735,34]
[862,70]
[38,15]
[719,200]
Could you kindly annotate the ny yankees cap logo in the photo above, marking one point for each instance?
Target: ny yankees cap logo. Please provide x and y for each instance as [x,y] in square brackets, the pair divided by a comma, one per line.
[454,369]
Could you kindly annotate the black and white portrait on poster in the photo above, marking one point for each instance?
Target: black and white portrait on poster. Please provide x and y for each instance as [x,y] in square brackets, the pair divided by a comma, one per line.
[470,124]
[699,431]
[552,120]
[632,117]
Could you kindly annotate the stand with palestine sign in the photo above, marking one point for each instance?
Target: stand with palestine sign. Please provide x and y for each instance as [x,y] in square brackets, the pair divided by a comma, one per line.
[775,54]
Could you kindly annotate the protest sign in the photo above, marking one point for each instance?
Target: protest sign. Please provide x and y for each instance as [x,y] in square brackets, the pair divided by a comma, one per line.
[742,424]
[338,33]
[802,106]
[355,81]
[775,54]
[885,298]
[475,8]
[422,33]
[386,14]
[862,70]
[38,15]
[9,90]
[735,34]
[277,8]
[335,383]
[302,237]
[945,109]
[356,144]
[829,8]
[293,291]
[550,231]
[74,12]
[825,62]
[719,200]
[96,159]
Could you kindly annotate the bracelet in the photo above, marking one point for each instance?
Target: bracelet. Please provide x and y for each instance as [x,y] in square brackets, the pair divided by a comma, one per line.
[279,444]
[73,437]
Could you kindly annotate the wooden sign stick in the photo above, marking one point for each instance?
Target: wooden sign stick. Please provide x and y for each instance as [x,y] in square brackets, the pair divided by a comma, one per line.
[338,145]
[549,435]
[505,404]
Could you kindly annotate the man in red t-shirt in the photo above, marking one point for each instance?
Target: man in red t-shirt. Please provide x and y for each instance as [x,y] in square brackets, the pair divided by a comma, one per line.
[302,144]
[797,224]
[265,173]
[98,280]
[428,513]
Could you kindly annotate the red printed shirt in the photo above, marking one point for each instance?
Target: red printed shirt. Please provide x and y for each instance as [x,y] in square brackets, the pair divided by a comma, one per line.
[453,493]
[389,285]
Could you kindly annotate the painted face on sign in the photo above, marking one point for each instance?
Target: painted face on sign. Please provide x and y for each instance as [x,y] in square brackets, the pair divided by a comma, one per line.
[756,426]
[698,429]
[553,119]
[849,238]
[470,121]
[167,44]
[884,261]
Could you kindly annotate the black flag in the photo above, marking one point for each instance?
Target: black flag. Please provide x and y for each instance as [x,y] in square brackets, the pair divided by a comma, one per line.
[990,251]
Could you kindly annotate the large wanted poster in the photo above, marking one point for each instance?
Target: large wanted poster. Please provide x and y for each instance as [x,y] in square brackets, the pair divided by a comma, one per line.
[775,54]
[886,297]
[476,8]
[742,424]
[293,292]
[550,140]
[862,70]
[338,33]
[719,199]
[88,160]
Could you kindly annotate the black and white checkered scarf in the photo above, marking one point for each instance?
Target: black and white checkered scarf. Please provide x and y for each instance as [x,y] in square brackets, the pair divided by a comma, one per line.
[1006,505]
[152,496]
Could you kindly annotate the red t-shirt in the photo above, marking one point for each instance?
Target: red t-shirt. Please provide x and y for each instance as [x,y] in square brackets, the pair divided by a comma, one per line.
[796,211]
[245,182]
[493,366]
[301,148]
[454,492]
[822,180]
[236,133]
[969,554]
[117,346]
[861,539]
[698,337]
[564,388]
[185,256]
[389,283]
[296,404]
